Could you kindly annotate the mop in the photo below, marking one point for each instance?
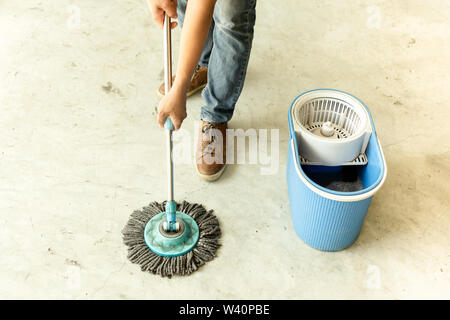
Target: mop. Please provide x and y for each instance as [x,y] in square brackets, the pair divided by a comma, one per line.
[171,238]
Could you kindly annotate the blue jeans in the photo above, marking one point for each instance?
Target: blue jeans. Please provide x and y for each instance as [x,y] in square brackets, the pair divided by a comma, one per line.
[226,53]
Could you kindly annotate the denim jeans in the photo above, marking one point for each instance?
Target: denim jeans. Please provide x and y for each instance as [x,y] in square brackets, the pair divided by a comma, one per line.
[226,53]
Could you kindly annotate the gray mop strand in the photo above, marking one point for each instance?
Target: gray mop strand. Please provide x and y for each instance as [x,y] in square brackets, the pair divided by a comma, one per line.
[204,251]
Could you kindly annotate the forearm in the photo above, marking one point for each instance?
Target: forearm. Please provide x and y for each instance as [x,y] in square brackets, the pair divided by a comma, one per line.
[193,36]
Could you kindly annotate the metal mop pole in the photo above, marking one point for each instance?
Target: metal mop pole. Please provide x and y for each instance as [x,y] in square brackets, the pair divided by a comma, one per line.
[170,205]
[167,86]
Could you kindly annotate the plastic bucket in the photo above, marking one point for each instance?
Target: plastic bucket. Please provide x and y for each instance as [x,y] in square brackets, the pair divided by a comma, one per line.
[325,219]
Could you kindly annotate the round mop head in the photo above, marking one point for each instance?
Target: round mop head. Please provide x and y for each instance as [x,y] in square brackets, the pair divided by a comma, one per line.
[140,253]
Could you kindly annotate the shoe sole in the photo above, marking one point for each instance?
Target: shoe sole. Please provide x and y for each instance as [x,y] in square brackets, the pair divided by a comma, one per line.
[188,94]
[212,177]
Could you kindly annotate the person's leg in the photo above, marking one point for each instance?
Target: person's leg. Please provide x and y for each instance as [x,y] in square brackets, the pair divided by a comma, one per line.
[234,21]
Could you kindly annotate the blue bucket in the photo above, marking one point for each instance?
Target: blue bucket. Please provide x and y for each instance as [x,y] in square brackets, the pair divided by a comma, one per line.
[325,219]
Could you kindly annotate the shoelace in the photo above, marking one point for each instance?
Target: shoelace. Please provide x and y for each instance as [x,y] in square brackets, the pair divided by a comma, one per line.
[197,69]
[211,147]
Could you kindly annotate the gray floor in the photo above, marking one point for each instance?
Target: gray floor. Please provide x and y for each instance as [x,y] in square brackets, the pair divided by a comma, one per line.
[80,150]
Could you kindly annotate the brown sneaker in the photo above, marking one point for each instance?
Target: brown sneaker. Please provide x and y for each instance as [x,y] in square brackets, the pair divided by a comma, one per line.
[211,150]
[198,82]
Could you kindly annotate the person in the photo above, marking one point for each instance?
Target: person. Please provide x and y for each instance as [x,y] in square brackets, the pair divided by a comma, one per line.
[215,45]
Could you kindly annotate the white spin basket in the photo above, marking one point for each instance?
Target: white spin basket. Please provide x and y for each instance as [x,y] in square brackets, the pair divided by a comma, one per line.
[332,129]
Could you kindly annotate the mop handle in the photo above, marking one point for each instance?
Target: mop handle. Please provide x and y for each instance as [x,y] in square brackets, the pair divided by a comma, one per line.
[167,56]
[171,207]
[167,85]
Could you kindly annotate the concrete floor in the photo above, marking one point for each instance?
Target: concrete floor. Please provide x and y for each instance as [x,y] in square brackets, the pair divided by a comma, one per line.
[80,150]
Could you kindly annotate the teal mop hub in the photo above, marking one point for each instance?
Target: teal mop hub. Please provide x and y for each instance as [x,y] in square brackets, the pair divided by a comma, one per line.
[171,243]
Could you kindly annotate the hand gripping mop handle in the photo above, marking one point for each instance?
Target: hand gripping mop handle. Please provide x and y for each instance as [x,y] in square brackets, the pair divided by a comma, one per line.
[171,207]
